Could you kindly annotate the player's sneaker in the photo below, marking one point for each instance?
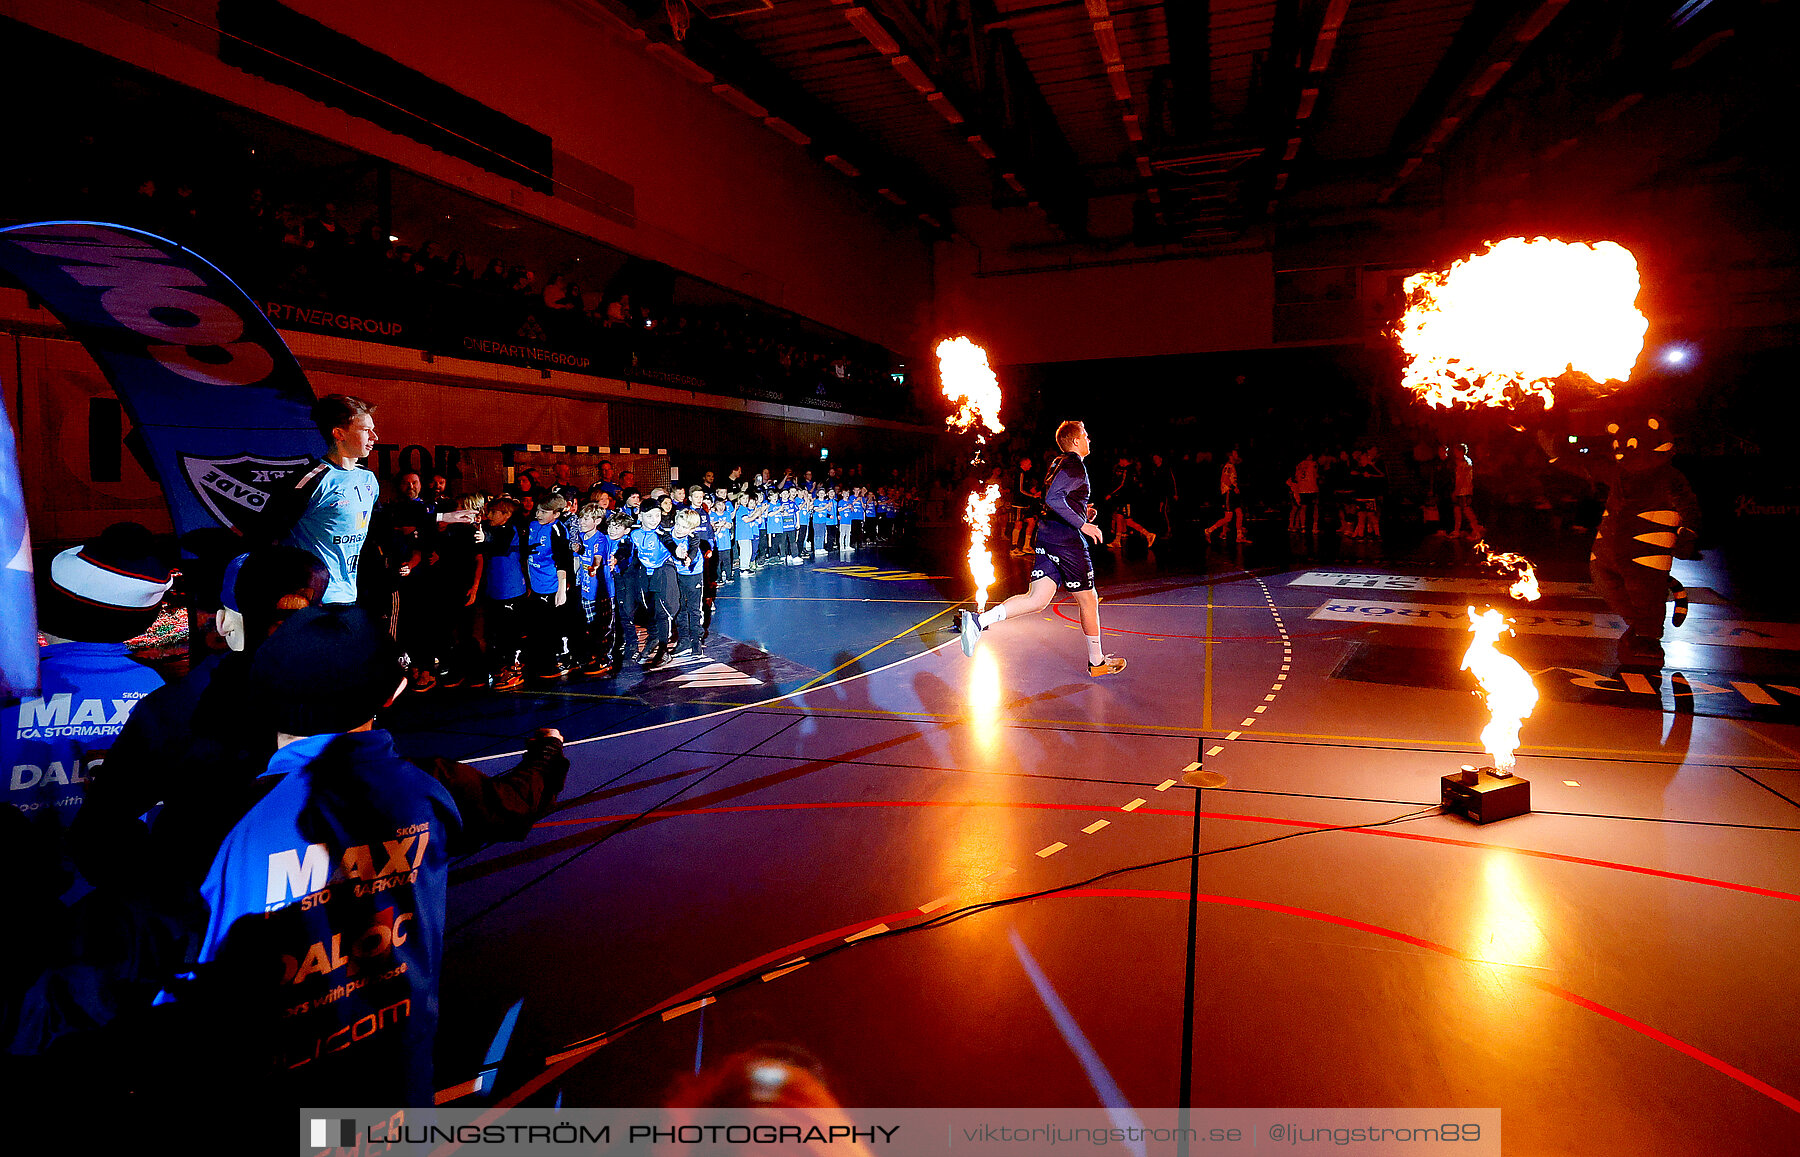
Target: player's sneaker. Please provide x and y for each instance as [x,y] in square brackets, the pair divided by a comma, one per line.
[510,679]
[970,628]
[1110,665]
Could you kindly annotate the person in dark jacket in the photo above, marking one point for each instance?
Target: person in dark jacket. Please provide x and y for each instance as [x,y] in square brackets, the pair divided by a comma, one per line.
[327,900]
[195,745]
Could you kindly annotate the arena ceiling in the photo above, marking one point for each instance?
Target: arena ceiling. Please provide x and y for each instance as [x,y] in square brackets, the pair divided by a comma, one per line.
[1198,123]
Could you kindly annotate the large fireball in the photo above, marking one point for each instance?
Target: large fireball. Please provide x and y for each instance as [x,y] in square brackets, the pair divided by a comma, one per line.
[969,381]
[1501,326]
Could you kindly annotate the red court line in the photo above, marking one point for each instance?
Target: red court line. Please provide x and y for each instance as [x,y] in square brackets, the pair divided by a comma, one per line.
[1150,811]
[799,947]
[1105,630]
[1635,1025]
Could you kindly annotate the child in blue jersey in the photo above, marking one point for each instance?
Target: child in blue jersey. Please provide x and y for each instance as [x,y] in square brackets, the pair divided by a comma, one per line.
[859,511]
[627,587]
[824,518]
[781,527]
[708,533]
[768,527]
[500,573]
[547,581]
[744,523]
[724,518]
[791,522]
[690,571]
[656,569]
[594,581]
[843,520]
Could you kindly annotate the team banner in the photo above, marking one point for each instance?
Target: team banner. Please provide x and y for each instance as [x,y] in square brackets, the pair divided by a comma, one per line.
[18,623]
[222,405]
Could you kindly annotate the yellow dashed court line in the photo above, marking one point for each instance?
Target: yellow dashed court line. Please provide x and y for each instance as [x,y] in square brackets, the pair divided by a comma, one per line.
[1043,853]
[1134,805]
[1095,826]
[865,933]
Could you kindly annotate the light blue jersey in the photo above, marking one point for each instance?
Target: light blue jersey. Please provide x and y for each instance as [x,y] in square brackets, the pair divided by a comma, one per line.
[335,524]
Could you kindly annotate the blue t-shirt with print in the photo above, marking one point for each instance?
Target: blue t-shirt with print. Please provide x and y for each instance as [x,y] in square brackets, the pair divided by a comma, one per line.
[50,744]
[540,540]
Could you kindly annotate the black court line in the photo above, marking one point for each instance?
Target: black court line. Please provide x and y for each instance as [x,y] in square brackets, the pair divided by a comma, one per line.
[1666,820]
[599,790]
[1764,786]
[603,837]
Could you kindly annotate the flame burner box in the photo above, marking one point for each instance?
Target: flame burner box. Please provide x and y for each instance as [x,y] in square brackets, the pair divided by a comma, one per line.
[1478,794]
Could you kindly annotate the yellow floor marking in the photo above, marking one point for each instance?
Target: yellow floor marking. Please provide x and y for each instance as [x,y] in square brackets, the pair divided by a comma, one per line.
[1206,703]
[875,648]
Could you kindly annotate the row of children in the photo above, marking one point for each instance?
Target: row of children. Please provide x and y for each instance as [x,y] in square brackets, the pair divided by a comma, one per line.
[566,589]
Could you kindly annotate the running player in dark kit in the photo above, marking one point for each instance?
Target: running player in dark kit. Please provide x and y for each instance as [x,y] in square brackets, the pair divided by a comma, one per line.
[1061,554]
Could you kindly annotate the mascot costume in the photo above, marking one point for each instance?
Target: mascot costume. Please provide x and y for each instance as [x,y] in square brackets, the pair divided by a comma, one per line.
[1652,518]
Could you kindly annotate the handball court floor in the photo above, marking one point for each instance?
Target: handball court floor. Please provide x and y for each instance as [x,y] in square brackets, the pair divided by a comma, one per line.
[959,882]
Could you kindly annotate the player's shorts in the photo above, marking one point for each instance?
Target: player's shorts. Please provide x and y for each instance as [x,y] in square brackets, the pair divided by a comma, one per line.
[1071,571]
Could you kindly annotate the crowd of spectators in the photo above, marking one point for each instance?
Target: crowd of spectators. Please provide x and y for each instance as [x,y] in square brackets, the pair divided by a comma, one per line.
[329,254]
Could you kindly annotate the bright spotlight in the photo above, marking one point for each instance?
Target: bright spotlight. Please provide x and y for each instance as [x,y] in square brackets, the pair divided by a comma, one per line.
[1677,355]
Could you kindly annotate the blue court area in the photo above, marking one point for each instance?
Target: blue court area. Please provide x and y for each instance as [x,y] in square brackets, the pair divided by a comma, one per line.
[958,881]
